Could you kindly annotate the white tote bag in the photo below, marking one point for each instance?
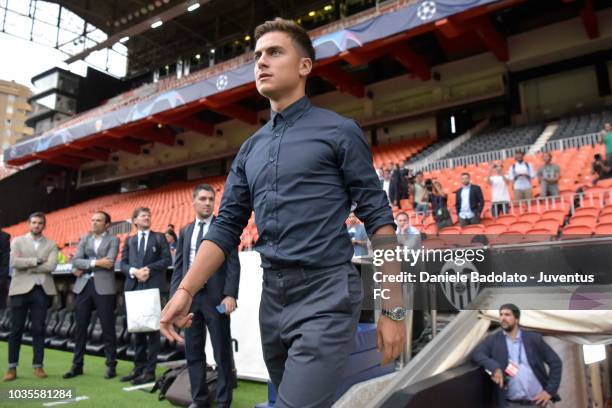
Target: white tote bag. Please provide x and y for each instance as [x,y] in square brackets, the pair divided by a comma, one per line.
[143,310]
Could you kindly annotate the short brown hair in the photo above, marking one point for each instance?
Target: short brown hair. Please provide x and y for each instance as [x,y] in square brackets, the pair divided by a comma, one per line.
[298,35]
[38,214]
[139,210]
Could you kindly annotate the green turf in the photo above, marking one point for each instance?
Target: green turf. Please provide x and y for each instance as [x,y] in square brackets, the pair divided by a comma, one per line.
[101,392]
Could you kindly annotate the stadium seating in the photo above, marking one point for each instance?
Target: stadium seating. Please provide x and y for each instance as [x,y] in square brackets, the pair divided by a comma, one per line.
[396,153]
[582,124]
[511,136]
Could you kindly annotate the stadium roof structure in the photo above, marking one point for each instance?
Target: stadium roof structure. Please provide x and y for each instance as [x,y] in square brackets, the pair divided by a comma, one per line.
[409,37]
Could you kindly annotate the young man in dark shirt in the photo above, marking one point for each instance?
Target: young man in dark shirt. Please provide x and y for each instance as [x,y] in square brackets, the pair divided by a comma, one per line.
[300,173]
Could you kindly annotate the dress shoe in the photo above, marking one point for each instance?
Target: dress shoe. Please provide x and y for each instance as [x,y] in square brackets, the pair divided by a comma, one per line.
[11,374]
[74,371]
[110,373]
[129,377]
[40,373]
[143,379]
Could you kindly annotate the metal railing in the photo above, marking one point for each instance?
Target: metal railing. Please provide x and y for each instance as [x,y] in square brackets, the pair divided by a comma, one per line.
[502,154]
[567,202]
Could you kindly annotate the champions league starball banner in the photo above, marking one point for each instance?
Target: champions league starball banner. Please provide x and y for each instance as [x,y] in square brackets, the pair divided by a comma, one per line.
[328,45]
[458,272]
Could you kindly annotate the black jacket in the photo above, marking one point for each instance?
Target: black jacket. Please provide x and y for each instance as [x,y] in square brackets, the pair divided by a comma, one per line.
[157,258]
[224,282]
[476,200]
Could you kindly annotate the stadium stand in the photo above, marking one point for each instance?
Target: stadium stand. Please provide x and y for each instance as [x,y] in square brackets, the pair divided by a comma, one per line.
[429,150]
[506,137]
[591,122]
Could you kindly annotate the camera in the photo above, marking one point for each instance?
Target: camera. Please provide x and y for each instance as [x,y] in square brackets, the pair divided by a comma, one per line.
[428,184]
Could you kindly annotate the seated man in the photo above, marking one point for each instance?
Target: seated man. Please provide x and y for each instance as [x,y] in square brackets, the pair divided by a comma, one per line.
[515,360]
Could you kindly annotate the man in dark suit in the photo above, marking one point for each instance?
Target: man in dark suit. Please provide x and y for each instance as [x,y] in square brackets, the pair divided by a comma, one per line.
[469,202]
[521,355]
[221,289]
[5,254]
[94,267]
[144,261]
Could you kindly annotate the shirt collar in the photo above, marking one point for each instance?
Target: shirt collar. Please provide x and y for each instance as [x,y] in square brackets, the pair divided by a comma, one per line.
[102,235]
[39,239]
[466,187]
[206,220]
[146,232]
[292,112]
[518,335]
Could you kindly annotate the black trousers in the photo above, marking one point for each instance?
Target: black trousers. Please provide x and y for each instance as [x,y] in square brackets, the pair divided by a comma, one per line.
[36,302]
[205,315]
[86,301]
[146,349]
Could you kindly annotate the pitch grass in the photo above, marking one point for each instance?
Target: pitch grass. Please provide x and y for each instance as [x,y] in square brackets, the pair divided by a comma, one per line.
[102,393]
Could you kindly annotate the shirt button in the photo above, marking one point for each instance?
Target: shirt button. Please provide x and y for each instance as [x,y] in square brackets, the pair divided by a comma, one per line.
[271,159]
[277,134]
[279,275]
[270,243]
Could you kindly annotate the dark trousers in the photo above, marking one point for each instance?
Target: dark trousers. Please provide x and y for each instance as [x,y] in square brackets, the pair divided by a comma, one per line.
[468,221]
[498,209]
[36,302]
[86,301]
[308,320]
[146,349]
[205,315]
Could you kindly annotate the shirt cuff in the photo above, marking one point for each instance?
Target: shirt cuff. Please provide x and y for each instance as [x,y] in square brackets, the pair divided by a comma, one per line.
[132,270]
[92,264]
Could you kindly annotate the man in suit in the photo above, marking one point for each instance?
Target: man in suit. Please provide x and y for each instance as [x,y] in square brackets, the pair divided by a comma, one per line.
[521,355]
[221,289]
[34,258]
[144,261]
[93,265]
[469,202]
[5,255]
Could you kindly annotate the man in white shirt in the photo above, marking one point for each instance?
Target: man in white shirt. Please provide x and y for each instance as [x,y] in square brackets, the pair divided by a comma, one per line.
[521,173]
[386,182]
[94,267]
[500,195]
[144,261]
[469,202]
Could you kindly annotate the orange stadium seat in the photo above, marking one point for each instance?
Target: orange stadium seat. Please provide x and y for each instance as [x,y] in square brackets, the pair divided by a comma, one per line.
[495,229]
[604,229]
[571,231]
[473,229]
[520,226]
[588,220]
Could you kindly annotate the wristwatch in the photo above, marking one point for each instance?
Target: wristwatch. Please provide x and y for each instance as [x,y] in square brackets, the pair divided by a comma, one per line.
[396,314]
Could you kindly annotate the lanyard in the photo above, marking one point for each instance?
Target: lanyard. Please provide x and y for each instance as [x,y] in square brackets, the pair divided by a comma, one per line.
[520,351]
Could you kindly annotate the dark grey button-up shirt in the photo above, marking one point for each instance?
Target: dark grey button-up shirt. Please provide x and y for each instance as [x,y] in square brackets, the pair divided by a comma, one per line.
[300,173]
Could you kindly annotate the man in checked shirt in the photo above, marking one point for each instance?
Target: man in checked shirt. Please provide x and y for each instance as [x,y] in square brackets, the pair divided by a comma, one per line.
[300,173]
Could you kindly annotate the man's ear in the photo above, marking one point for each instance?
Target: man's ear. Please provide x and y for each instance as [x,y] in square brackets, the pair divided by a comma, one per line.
[305,66]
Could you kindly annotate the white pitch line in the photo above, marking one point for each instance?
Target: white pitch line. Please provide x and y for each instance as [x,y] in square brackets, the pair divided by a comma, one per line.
[139,387]
[67,401]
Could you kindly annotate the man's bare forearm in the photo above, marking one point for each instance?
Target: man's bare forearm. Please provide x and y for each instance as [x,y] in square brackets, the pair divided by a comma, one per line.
[385,238]
[208,260]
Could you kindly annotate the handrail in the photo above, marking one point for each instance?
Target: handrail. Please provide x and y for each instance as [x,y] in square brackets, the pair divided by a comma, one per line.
[502,154]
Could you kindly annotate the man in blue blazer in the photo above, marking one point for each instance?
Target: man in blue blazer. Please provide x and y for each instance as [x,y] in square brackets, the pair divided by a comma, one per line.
[469,202]
[220,289]
[516,359]
[144,261]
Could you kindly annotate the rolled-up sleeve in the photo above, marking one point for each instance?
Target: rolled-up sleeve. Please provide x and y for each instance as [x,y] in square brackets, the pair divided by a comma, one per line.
[361,179]
[235,209]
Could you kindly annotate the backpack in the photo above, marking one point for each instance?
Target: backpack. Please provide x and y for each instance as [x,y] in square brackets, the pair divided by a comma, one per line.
[174,385]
